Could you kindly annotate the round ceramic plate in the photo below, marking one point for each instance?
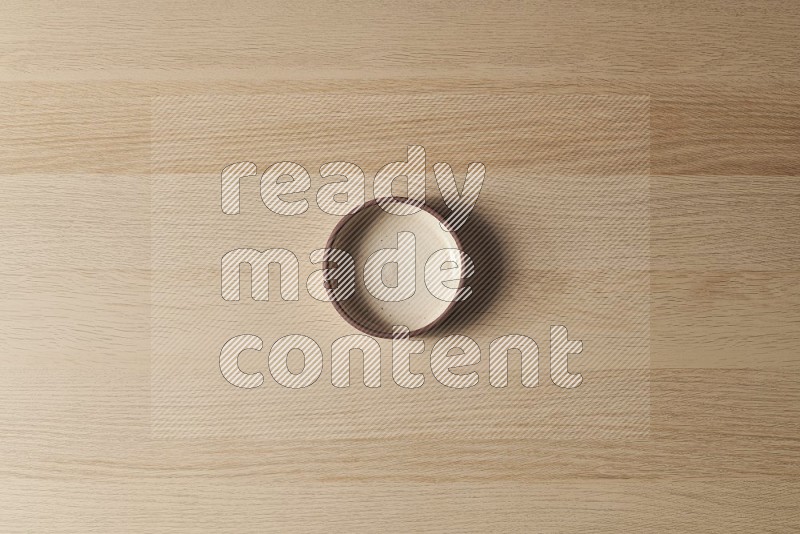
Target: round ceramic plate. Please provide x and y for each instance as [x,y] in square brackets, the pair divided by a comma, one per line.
[371,228]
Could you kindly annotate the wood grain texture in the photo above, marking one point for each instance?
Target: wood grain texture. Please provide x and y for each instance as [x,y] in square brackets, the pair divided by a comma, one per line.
[76,85]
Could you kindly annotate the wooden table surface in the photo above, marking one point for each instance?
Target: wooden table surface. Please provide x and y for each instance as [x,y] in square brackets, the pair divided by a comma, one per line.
[721,81]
